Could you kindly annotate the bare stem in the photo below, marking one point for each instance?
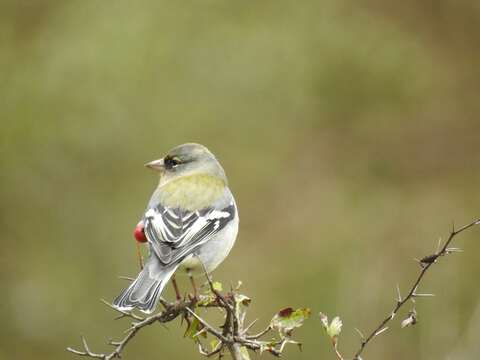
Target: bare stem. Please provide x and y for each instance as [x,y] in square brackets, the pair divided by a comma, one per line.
[231,336]
[425,263]
[235,351]
[337,352]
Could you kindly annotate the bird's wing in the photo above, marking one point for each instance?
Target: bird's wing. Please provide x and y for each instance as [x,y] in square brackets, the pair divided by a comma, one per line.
[174,233]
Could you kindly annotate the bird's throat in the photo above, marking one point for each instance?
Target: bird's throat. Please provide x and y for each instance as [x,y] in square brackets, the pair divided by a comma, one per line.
[192,192]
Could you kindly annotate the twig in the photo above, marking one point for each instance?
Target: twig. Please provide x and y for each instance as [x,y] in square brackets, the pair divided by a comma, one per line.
[260,334]
[231,336]
[337,352]
[209,328]
[425,263]
[124,313]
[172,311]
[249,326]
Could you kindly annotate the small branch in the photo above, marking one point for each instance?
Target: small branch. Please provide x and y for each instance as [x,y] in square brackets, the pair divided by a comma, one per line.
[425,263]
[260,334]
[215,351]
[87,351]
[337,352]
[234,349]
[249,326]
[124,313]
[172,311]
[209,328]
[232,336]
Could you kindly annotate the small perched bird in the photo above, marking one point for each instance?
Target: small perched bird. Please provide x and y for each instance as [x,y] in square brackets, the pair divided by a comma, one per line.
[191,222]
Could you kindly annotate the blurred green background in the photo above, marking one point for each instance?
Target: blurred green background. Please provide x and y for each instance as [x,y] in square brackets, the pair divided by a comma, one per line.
[349,131]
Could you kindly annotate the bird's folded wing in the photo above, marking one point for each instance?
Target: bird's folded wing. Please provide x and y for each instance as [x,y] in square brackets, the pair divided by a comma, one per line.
[174,233]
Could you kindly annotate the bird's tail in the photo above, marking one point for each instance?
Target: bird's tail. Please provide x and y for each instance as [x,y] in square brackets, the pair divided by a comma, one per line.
[144,292]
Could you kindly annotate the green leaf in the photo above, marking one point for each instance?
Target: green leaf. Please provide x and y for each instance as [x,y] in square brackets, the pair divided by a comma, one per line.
[193,329]
[217,286]
[214,343]
[244,353]
[205,300]
[334,328]
[288,319]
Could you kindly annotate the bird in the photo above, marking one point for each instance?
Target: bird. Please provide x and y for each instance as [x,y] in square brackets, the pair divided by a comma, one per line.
[190,223]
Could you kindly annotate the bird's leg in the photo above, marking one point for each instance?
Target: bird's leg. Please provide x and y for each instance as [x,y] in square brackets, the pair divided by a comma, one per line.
[140,257]
[175,286]
[194,285]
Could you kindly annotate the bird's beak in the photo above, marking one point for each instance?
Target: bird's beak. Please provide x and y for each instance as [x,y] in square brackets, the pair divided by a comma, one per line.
[156,165]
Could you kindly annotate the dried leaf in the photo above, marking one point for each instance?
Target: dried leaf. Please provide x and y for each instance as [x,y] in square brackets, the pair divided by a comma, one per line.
[410,320]
[242,299]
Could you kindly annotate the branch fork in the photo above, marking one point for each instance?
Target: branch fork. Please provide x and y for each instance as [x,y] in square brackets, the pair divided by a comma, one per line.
[231,336]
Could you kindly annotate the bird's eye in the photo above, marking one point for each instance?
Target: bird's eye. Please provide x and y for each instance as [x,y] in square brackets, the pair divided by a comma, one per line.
[170,162]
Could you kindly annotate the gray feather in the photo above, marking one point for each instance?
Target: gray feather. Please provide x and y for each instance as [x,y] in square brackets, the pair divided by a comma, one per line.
[144,292]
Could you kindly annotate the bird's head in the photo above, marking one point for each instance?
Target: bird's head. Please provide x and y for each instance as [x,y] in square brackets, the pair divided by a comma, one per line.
[185,160]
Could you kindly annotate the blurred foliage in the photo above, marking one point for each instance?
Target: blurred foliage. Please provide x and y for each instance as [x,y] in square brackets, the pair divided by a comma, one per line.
[349,132]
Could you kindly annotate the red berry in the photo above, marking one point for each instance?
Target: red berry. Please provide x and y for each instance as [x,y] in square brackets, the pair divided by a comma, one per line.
[139,233]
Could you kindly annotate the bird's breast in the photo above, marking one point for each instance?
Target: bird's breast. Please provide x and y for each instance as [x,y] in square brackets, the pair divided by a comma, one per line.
[193,192]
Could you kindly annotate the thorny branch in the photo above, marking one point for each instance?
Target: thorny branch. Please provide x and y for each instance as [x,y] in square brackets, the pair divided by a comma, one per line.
[232,336]
[235,338]
[425,263]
